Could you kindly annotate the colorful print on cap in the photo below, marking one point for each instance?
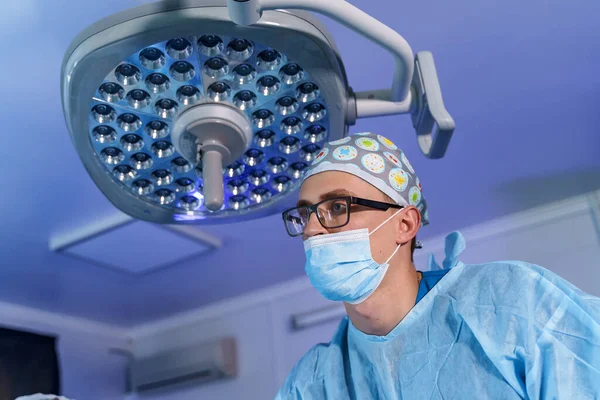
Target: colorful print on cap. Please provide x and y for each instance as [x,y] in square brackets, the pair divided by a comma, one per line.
[398,179]
[375,159]
[405,161]
[367,144]
[392,158]
[340,141]
[321,155]
[414,196]
[387,142]
[345,153]
[373,162]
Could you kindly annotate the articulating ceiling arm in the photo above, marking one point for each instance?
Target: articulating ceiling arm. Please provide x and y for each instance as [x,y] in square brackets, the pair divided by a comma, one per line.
[415,88]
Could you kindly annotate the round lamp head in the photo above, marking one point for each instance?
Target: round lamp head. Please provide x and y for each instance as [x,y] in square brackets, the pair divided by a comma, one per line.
[132,81]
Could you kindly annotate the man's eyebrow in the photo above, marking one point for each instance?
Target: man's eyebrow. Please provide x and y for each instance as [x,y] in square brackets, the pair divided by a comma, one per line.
[303,203]
[336,193]
[325,196]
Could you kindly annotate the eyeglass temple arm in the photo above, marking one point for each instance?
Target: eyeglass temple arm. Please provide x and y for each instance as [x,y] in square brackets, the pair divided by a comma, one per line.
[415,87]
[375,204]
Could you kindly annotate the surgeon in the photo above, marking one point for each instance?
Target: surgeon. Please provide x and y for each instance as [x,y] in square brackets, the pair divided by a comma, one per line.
[501,330]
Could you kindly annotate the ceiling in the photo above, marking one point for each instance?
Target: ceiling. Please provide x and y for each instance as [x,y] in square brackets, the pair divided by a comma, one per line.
[521,79]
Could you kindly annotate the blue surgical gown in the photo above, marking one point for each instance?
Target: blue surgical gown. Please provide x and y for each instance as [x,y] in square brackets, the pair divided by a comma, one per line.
[502,330]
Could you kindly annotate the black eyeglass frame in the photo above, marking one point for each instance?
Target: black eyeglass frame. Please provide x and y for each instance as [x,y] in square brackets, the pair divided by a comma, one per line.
[350,200]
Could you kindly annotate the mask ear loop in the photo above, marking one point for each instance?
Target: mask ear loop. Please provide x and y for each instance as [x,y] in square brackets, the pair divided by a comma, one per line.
[394,253]
[385,222]
[380,225]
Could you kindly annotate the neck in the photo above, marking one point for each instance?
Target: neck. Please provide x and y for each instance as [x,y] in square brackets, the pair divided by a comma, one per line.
[389,304]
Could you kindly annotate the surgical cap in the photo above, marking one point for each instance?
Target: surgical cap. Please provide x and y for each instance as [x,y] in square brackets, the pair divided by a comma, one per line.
[378,161]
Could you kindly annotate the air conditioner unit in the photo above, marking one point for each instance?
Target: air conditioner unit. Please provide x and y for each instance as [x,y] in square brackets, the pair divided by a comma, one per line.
[197,364]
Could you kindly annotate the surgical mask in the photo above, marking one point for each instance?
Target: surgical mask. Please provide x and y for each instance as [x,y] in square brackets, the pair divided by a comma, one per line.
[341,267]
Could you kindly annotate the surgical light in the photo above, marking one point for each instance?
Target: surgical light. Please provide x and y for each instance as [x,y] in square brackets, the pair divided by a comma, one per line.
[188,110]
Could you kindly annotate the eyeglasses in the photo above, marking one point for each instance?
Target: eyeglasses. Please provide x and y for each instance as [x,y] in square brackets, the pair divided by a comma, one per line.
[331,213]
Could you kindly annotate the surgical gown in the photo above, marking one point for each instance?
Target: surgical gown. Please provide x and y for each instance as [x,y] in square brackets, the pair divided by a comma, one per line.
[502,330]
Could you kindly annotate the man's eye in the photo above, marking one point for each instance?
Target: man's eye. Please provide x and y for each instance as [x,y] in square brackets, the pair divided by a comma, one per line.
[338,207]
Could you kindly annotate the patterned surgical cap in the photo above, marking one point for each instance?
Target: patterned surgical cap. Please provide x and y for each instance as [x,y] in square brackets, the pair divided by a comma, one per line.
[378,161]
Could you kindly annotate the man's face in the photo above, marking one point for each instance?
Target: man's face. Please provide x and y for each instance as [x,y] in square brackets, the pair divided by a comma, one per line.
[335,184]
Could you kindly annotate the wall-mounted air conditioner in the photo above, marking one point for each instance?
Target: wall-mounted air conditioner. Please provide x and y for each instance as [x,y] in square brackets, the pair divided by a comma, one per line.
[197,364]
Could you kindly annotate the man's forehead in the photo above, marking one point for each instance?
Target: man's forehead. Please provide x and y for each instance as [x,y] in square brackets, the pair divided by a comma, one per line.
[326,195]
[334,184]
[329,180]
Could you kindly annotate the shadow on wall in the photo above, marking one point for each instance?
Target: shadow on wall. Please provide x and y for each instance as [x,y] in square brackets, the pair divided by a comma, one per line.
[533,192]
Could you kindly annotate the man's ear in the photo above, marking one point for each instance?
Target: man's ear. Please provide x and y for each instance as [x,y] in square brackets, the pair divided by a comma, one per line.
[407,225]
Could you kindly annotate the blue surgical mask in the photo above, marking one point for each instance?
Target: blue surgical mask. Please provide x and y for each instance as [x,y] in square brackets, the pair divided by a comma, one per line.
[341,267]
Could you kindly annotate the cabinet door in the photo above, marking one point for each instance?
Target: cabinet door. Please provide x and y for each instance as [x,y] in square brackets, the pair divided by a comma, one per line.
[251,328]
[291,344]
